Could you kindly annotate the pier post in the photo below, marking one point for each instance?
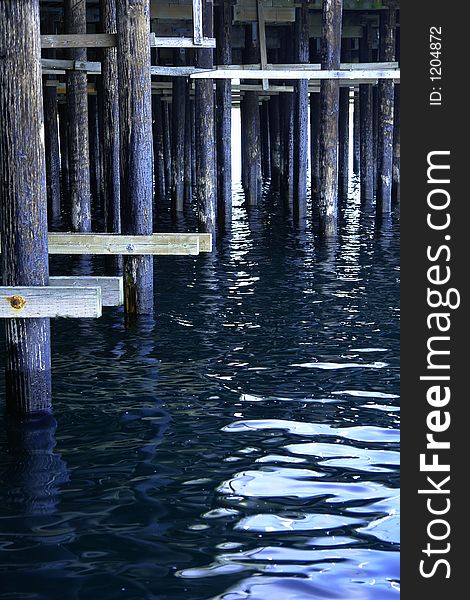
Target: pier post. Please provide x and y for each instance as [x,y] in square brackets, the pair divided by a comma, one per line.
[158,148]
[356,135]
[385,112]
[343,130]
[224,114]
[250,122]
[206,185]
[301,56]
[95,155]
[396,147]
[366,126]
[23,212]
[178,116]
[287,124]
[135,113]
[110,131]
[64,152]
[77,107]
[314,129]
[265,141]
[188,186]
[329,109]
[51,138]
[275,141]
[167,146]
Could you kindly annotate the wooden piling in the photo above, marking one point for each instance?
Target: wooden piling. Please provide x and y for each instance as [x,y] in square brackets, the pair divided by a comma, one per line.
[51,138]
[287,124]
[265,141]
[110,122]
[77,107]
[224,114]
[177,128]
[167,146]
[329,109]
[64,152]
[385,112]
[343,148]
[275,141]
[135,111]
[314,131]
[366,126]
[206,186]
[250,122]
[301,56]
[356,135]
[95,155]
[188,187]
[396,147]
[24,202]
[158,148]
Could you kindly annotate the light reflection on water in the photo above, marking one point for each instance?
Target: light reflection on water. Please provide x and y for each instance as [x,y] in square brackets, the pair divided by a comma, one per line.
[242,444]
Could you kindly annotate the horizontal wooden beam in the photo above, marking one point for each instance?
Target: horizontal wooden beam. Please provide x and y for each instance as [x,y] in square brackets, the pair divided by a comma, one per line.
[49,302]
[108,243]
[350,76]
[53,64]
[112,288]
[108,40]
[79,40]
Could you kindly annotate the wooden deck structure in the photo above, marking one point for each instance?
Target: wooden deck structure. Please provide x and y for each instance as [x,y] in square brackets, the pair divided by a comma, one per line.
[136,99]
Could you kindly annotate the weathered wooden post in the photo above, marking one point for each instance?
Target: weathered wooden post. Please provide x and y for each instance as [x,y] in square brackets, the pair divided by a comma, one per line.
[224,114]
[366,124]
[51,138]
[77,106]
[265,140]
[385,111]
[135,113]
[23,203]
[206,184]
[287,124]
[396,147]
[250,121]
[356,135]
[329,109]
[314,129]
[110,131]
[275,141]
[95,155]
[188,187]
[64,150]
[343,130]
[301,56]
[158,148]
[177,127]
[167,146]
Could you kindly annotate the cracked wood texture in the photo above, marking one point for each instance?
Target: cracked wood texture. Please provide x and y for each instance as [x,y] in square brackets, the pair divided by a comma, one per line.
[205,135]
[224,115]
[329,112]
[301,56]
[77,108]
[385,114]
[135,106]
[23,202]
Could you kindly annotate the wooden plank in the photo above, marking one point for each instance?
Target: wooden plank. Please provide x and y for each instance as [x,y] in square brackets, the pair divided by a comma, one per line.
[127,245]
[197,22]
[71,65]
[352,76]
[49,302]
[83,40]
[183,42]
[112,288]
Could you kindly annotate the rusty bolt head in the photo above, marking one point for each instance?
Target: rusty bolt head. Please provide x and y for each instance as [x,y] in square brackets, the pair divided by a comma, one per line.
[17,302]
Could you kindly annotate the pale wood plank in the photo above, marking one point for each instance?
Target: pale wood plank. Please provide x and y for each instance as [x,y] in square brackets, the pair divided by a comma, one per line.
[49,302]
[112,288]
[197,22]
[75,40]
[353,75]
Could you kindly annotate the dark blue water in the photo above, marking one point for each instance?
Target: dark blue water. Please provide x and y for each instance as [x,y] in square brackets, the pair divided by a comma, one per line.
[243,444]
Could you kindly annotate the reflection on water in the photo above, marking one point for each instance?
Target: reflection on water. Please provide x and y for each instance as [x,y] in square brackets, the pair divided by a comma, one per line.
[244,444]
